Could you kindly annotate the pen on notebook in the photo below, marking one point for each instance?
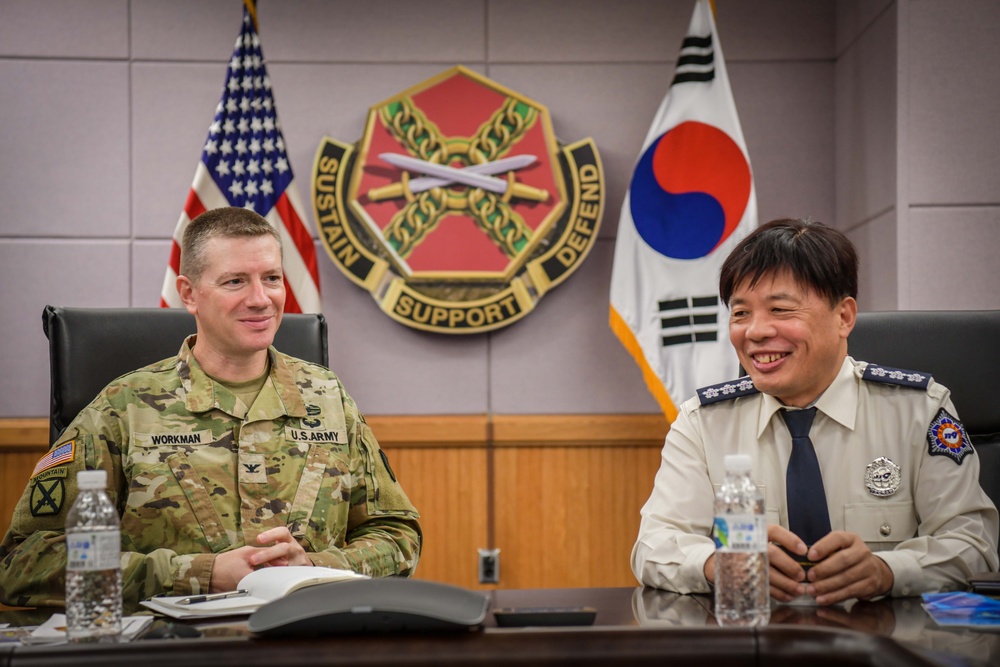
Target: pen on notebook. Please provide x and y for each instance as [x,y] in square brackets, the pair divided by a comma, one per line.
[194,599]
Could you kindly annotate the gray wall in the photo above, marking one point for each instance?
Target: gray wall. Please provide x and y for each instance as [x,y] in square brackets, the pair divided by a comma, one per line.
[872,115]
[917,85]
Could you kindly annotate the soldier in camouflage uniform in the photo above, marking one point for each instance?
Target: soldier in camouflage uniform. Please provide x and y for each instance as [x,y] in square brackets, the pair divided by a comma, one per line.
[229,457]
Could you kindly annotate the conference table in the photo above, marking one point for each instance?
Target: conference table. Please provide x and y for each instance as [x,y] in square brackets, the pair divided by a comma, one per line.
[633,626]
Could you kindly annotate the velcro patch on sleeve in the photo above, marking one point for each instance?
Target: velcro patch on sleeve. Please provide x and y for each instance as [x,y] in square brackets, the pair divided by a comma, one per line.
[385,462]
[47,496]
[64,453]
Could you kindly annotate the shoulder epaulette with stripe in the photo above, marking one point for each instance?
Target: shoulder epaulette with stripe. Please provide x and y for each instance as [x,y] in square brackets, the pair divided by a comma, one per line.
[727,390]
[888,375]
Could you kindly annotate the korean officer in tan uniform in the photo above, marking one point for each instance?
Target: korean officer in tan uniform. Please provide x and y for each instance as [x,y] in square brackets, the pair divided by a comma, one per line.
[228,457]
[899,509]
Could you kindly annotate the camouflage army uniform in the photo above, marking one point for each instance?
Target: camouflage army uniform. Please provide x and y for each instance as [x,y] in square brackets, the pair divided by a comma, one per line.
[194,472]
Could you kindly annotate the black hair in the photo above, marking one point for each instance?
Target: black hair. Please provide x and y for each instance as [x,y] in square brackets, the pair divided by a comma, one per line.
[817,256]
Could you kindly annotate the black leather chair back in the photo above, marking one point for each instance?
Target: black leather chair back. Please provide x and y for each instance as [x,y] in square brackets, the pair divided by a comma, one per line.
[961,349]
[90,347]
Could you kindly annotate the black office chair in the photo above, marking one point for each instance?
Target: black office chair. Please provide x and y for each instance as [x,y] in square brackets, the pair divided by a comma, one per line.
[961,350]
[90,347]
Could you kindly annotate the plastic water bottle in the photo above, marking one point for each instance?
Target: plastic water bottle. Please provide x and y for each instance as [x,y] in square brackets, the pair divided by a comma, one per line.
[742,582]
[93,563]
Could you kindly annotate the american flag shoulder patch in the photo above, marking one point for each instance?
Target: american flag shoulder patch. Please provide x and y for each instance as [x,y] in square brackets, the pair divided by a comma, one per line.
[64,453]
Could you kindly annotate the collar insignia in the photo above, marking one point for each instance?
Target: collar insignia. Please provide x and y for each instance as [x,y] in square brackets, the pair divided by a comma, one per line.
[727,390]
[889,375]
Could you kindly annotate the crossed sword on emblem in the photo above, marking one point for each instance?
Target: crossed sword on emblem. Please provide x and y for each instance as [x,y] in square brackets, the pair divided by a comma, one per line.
[475,176]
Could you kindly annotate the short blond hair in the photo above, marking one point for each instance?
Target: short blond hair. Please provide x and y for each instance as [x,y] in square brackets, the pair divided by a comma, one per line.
[229,222]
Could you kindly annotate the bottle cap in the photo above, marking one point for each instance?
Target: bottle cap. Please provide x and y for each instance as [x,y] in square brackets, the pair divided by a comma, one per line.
[92,479]
[738,463]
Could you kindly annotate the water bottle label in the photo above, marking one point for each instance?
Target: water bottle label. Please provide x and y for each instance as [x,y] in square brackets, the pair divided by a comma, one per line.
[740,532]
[91,551]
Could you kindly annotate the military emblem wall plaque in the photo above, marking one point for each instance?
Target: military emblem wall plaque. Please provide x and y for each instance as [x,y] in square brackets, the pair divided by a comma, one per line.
[458,209]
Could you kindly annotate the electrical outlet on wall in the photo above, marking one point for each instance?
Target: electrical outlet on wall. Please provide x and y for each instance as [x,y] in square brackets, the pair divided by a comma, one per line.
[489,566]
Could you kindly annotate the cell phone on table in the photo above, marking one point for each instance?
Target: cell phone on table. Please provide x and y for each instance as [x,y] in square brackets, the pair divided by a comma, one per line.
[520,617]
[985,583]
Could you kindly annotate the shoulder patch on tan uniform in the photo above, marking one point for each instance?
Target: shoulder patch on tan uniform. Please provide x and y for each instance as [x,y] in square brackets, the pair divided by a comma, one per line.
[385,462]
[64,453]
[47,496]
[385,496]
[947,437]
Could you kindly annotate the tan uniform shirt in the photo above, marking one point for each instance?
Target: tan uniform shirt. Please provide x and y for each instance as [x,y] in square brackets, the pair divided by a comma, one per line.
[937,528]
[195,472]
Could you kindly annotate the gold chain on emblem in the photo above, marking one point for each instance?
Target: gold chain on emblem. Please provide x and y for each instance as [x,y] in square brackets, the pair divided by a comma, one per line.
[491,213]
[496,218]
[501,131]
[414,221]
[409,127]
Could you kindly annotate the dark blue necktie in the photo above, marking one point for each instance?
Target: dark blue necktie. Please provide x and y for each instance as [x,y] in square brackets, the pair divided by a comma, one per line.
[808,515]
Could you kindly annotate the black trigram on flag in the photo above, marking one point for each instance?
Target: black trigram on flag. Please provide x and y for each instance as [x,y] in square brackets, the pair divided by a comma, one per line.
[691,320]
[696,62]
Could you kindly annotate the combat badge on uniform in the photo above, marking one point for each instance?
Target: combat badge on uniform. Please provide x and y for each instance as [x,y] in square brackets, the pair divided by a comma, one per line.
[312,421]
[727,390]
[947,437]
[882,477]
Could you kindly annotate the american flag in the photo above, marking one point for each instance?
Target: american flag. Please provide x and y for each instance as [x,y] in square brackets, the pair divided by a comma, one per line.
[61,454]
[244,163]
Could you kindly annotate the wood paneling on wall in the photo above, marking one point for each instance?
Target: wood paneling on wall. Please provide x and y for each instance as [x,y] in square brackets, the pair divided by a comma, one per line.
[449,487]
[567,516]
[559,495]
[22,442]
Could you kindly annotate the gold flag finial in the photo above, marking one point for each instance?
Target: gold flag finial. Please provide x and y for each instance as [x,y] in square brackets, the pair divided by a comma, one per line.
[251,6]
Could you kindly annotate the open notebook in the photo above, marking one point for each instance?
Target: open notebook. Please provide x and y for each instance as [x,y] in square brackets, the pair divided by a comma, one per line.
[262,586]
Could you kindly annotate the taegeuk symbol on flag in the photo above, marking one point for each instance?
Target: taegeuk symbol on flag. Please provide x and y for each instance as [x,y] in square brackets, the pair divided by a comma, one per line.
[690,201]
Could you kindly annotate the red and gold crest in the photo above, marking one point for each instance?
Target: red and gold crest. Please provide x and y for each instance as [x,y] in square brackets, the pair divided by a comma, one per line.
[458,209]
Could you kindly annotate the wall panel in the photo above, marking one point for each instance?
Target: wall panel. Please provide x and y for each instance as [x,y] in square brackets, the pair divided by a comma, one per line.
[567,516]
[449,488]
